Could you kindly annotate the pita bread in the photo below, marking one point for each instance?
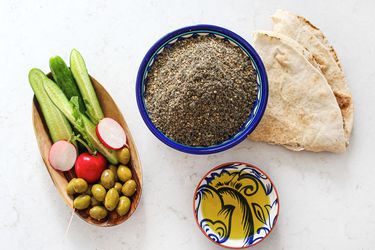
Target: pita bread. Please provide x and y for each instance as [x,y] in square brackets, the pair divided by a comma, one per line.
[302,112]
[310,37]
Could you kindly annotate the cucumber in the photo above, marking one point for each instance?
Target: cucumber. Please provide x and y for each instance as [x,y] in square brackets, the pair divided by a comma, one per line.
[64,79]
[58,126]
[79,71]
[84,126]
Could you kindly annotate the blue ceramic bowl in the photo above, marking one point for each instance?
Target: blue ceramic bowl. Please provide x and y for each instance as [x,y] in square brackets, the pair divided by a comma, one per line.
[193,31]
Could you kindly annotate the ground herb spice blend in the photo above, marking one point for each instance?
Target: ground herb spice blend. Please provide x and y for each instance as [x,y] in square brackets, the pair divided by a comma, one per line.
[200,91]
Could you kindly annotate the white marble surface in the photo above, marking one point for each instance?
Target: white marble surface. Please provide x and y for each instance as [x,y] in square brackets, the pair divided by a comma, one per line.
[327,200]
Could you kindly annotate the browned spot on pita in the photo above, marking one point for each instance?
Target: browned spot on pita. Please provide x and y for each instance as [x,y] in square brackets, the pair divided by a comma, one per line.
[272,37]
[334,54]
[307,22]
[322,66]
[344,101]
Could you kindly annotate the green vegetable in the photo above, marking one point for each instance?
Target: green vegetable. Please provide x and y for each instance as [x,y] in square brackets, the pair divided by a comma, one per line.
[129,188]
[88,191]
[111,199]
[123,206]
[58,126]
[79,70]
[99,192]
[118,187]
[64,79]
[95,202]
[80,186]
[107,179]
[82,201]
[114,170]
[123,156]
[70,187]
[98,212]
[84,126]
[124,173]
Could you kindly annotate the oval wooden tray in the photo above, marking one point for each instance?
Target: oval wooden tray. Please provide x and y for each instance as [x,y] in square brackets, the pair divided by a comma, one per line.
[61,179]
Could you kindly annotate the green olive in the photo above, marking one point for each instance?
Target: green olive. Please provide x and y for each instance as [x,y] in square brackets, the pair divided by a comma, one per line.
[94,202]
[70,188]
[123,156]
[107,179]
[129,188]
[98,191]
[111,199]
[123,206]
[124,173]
[79,185]
[88,191]
[82,201]
[98,212]
[118,187]
[114,170]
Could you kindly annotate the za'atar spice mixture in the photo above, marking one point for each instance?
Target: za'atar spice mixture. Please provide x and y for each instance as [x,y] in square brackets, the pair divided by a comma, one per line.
[201,90]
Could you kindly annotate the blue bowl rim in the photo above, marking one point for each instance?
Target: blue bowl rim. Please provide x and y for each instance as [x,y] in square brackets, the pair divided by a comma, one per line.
[229,143]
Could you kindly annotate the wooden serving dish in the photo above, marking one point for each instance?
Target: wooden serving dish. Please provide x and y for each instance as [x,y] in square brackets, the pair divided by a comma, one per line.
[61,179]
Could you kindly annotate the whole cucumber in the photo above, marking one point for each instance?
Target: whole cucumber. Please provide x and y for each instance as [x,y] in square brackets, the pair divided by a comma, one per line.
[80,74]
[83,124]
[64,79]
[58,126]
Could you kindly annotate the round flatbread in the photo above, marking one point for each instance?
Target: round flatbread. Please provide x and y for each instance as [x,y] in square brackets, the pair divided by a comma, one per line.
[310,37]
[302,112]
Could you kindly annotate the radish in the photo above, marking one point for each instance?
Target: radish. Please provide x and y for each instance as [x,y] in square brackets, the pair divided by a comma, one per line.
[111,134]
[62,155]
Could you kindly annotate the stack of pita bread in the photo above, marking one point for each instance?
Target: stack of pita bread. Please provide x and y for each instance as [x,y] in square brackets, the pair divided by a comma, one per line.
[310,106]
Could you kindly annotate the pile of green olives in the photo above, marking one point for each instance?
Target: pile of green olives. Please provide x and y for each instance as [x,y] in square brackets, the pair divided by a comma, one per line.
[112,193]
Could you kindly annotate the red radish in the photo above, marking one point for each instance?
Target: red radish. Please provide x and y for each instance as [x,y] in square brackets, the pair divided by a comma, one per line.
[90,167]
[62,155]
[111,134]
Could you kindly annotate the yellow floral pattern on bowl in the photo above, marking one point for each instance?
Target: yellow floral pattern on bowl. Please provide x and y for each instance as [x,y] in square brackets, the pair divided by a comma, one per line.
[236,205]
